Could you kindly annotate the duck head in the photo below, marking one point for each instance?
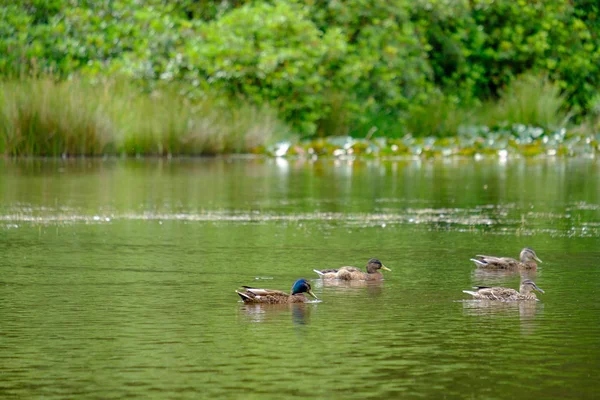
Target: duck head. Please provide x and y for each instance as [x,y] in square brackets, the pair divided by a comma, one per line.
[528,255]
[374,265]
[302,286]
[528,286]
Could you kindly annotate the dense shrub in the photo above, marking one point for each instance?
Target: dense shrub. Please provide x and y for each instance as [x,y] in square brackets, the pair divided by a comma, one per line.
[268,54]
[481,46]
[342,67]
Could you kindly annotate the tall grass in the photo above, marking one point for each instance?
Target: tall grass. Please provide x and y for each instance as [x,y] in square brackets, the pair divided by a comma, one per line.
[44,117]
[528,100]
[441,117]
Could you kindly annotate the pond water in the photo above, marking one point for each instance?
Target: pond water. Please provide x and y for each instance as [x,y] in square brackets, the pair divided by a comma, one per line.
[117,278]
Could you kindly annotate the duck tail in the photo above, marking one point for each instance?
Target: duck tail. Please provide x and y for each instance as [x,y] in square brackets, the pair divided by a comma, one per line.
[478,262]
[318,272]
[470,292]
[244,296]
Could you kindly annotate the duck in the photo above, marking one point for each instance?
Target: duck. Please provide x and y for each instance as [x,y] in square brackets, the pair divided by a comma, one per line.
[353,273]
[506,294]
[527,260]
[270,296]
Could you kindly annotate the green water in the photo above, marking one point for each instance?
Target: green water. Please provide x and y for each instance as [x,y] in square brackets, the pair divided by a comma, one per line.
[117,279]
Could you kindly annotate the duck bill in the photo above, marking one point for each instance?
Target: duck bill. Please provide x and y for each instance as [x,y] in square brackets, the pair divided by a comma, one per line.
[537,259]
[538,289]
[383,267]
[312,294]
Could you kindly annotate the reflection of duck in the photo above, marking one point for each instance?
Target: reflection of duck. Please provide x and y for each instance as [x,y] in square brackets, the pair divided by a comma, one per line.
[353,273]
[270,296]
[259,312]
[346,284]
[527,258]
[492,276]
[372,288]
[526,309]
[506,294]
[300,313]
[499,276]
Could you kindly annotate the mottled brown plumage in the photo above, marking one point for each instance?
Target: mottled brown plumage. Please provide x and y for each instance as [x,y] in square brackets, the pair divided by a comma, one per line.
[527,260]
[506,294]
[270,296]
[353,273]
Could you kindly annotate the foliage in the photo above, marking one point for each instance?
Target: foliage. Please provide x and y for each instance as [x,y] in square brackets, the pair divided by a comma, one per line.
[267,54]
[385,68]
[541,36]
[42,117]
[344,67]
[440,117]
[528,100]
[473,141]
[45,117]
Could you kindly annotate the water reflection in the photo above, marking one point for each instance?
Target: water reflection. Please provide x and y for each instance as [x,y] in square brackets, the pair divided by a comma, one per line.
[372,288]
[260,313]
[527,311]
[499,276]
[103,308]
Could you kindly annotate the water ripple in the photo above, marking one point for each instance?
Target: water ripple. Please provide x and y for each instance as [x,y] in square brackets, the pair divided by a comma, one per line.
[489,219]
[500,220]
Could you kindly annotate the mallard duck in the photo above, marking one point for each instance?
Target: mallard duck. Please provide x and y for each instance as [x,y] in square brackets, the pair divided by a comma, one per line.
[527,261]
[506,294]
[353,273]
[255,295]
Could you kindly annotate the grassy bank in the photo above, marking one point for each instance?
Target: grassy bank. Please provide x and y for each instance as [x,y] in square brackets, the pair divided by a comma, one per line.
[326,67]
[44,117]
[515,141]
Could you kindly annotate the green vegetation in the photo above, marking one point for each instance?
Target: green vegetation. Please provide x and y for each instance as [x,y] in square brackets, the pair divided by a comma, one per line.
[198,77]
[45,117]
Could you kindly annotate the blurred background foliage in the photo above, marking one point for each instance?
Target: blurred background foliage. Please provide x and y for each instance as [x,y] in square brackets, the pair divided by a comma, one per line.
[327,66]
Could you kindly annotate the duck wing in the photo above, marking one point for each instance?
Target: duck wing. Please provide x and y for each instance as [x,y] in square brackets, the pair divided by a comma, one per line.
[350,269]
[498,293]
[264,292]
[343,273]
[336,270]
[495,262]
[325,271]
[257,295]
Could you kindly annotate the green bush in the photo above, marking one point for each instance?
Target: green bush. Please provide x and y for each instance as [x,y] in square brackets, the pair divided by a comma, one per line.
[344,67]
[268,54]
[384,71]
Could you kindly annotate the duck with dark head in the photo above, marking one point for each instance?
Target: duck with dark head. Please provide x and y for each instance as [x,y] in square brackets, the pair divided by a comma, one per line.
[527,260]
[353,273]
[270,296]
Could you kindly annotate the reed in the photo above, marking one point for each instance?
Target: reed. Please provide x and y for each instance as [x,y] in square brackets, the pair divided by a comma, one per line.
[46,117]
[529,100]
[441,117]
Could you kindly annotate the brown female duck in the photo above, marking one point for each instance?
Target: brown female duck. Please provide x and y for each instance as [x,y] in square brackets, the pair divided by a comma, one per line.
[270,296]
[527,260]
[353,273]
[506,294]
